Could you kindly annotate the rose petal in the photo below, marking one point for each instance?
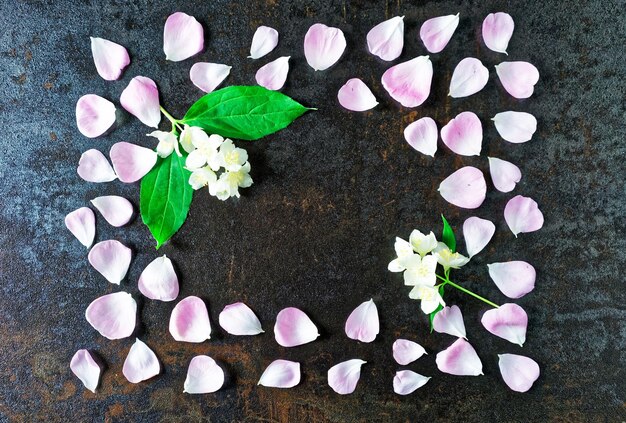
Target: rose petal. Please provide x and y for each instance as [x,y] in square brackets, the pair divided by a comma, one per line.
[110,58]
[183,37]
[343,377]
[189,321]
[450,320]
[111,259]
[82,224]
[93,166]
[477,233]
[131,162]
[158,281]
[281,374]
[386,39]
[504,175]
[274,74]
[293,327]
[497,31]
[362,324]
[86,369]
[422,135]
[239,319]
[518,78]
[113,315]
[509,322]
[406,352]
[518,372]
[204,376]
[406,382]
[94,115]
[265,39]
[522,214]
[464,134]
[436,32]
[409,82]
[514,278]
[465,188]
[459,359]
[469,77]
[356,96]
[141,363]
[141,99]
[207,76]
[323,46]
[115,210]
[515,127]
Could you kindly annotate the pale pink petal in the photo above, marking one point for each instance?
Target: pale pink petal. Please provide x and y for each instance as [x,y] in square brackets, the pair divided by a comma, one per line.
[204,376]
[82,224]
[141,363]
[113,315]
[158,281]
[274,74]
[189,321]
[131,162]
[465,188]
[86,369]
[265,39]
[436,32]
[514,278]
[323,46]
[450,320]
[239,319]
[183,37]
[422,135]
[464,134]
[115,209]
[509,321]
[409,82]
[522,214]
[281,374]
[293,327]
[497,31]
[515,127]
[362,324]
[111,258]
[459,359]
[518,372]
[356,96]
[406,352]
[93,166]
[141,99]
[110,58]
[504,175]
[406,382]
[94,115]
[207,76]
[469,77]
[343,377]
[477,233]
[386,39]
[518,78]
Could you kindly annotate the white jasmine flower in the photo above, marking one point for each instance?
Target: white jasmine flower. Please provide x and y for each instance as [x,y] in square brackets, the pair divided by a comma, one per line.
[205,152]
[187,136]
[167,143]
[430,297]
[232,158]
[420,270]
[404,251]
[448,259]
[203,177]
[229,183]
[422,244]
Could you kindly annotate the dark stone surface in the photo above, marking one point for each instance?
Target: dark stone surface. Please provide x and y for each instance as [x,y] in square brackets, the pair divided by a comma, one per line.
[316,229]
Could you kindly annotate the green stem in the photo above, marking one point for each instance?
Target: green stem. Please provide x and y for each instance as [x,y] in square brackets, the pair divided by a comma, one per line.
[447,281]
[171,118]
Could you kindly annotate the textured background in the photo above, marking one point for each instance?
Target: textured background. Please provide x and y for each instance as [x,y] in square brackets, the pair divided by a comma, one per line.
[316,229]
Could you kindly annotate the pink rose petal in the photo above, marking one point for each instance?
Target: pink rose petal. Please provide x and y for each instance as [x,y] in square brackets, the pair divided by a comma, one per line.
[386,39]
[450,320]
[469,77]
[141,99]
[239,319]
[281,374]
[323,46]
[93,166]
[515,127]
[409,82]
[204,376]
[406,382]
[110,58]
[183,37]
[265,40]
[522,214]
[131,162]
[504,175]
[497,31]
[509,322]
[459,359]
[111,258]
[436,32]
[422,135]
[477,233]
[465,188]
[158,281]
[82,224]
[343,377]
[518,372]
[208,76]
[113,315]
[274,74]
[362,324]
[141,363]
[86,369]
[513,278]
[189,321]
[464,134]
[293,327]
[406,352]
[518,78]
[94,115]
[356,96]
[115,209]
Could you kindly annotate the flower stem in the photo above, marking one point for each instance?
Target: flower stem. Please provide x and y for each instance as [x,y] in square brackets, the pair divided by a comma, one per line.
[171,118]
[447,281]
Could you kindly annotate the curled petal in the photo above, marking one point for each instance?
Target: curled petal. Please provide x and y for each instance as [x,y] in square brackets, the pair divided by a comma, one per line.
[459,359]
[82,224]
[94,115]
[362,324]
[450,320]
[513,278]
[274,74]
[522,214]
[111,258]
[386,39]
[93,166]
[86,369]
[409,82]
[422,135]
[518,78]
[183,37]
[497,31]
[464,134]
[110,58]
[189,321]
[518,372]
[141,363]
[281,374]
[115,209]
[504,175]
[465,188]
[207,76]
[515,127]
[406,352]
[469,77]
[406,382]
[204,376]
[477,233]
[158,281]
[265,39]
[323,46]
[141,99]
[131,162]
[356,96]
[509,321]
[113,315]
[293,327]
[436,32]
[343,377]
[239,319]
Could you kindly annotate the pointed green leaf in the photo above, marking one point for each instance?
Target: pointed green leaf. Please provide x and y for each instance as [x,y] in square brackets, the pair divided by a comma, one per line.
[448,235]
[431,316]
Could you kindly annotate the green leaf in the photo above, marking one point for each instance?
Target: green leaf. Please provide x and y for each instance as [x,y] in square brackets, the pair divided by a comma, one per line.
[448,235]
[165,197]
[431,316]
[243,112]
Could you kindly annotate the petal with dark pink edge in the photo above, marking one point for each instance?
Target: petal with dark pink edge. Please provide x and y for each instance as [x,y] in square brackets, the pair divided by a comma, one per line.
[518,78]
[469,77]
[343,377]
[409,82]
[515,127]
[293,327]
[113,315]
[464,134]
[422,135]
[406,352]
[436,32]
[356,96]
[82,224]
[406,382]
[281,374]
[111,259]
[141,363]
[208,76]
[386,39]
[497,31]
[509,321]
[265,40]
[183,37]
[239,319]
[465,188]
[204,376]
[362,324]
[110,58]
[158,281]
[189,321]
[518,372]
[323,46]
[504,175]
[522,214]
[141,99]
[477,233]
[513,278]
[274,74]
[115,209]
[450,320]
[94,115]
[93,166]
[131,162]
[86,369]
[459,359]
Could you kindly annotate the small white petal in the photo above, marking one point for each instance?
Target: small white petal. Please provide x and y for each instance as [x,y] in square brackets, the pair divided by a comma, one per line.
[386,39]
[450,320]
[477,233]
[323,46]
[518,372]
[183,37]
[464,134]
[82,224]
[274,74]
[93,166]
[514,278]
[204,376]
[518,78]
[406,352]
[113,315]
[111,258]
[515,127]
[86,369]
[265,39]
[158,281]
[239,319]
[436,32]
[504,175]
[293,327]
[343,377]
[497,31]
[362,324]
[406,382]
[208,76]
[94,115]
[110,58]
[189,321]
[459,359]
[465,188]
[422,135]
[281,374]
[116,210]
[469,77]
[356,96]
[141,363]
